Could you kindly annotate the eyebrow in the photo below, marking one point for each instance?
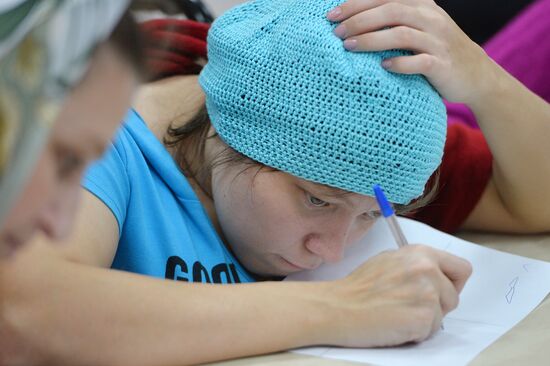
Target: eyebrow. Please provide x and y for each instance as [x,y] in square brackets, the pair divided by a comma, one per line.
[332,192]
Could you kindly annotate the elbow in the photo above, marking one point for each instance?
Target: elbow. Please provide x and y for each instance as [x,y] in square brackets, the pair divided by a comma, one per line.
[528,220]
[517,211]
[14,350]
[536,225]
[531,218]
[19,319]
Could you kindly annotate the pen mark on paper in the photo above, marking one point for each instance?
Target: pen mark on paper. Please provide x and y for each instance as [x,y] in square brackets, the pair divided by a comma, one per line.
[512,290]
[525,267]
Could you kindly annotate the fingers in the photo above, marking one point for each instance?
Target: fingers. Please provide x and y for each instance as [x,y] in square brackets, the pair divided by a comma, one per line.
[400,37]
[436,325]
[415,25]
[456,269]
[445,273]
[448,295]
[386,15]
[416,286]
[418,64]
[442,52]
[354,7]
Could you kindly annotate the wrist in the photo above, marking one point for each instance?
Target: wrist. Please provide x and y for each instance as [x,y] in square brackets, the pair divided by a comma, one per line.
[319,313]
[340,315]
[493,83]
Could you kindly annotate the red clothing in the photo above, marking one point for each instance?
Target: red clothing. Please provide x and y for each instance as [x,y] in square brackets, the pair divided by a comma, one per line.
[179,46]
[463,176]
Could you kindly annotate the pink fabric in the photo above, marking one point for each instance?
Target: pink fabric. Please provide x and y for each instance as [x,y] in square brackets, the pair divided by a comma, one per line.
[523,49]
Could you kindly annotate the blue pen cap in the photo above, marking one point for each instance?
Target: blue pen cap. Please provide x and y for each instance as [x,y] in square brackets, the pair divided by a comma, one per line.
[385,206]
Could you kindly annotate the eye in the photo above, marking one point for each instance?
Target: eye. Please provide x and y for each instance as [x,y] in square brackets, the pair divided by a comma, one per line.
[69,163]
[372,215]
[317,202]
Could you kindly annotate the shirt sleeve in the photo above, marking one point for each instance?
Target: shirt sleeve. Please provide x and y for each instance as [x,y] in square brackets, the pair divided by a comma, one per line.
[108,180]
[463,175]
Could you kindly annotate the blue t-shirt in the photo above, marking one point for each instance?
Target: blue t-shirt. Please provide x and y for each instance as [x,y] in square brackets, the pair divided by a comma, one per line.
[164,230]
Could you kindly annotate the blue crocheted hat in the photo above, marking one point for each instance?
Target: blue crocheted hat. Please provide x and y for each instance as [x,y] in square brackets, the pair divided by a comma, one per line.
[281,89]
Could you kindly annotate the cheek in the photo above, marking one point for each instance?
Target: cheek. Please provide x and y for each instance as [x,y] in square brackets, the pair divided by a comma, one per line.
[276,215]
[360,230]
[262,217]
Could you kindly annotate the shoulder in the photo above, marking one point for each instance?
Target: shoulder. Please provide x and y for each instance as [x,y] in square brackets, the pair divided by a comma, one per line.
[171,101]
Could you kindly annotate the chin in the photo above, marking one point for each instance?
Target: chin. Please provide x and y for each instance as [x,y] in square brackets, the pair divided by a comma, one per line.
[273,277]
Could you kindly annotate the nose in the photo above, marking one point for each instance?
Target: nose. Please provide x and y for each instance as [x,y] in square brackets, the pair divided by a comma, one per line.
[329,244]
[56,218]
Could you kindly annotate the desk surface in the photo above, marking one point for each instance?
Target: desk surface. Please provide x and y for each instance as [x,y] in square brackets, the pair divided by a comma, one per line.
[528,343]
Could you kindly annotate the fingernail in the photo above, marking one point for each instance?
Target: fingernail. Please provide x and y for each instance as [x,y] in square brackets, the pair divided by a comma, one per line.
[341,31]
[335,13]
[386,64]
[350,44]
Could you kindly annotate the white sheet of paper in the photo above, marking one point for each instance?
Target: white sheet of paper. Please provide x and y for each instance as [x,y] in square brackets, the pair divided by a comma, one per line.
[502,290]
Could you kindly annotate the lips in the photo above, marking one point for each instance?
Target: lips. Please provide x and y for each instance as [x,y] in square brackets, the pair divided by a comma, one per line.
[302,267]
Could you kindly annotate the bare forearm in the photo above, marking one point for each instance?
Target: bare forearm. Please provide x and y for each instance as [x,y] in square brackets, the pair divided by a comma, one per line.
[95,316]
[516,124]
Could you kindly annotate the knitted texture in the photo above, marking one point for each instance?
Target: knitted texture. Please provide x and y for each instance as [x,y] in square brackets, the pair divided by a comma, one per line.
[281,89]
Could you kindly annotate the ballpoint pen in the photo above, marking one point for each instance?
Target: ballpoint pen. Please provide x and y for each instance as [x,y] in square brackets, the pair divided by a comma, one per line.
[389,215]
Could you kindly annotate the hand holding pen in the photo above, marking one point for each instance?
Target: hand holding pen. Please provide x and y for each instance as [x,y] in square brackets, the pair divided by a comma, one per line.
[389,215]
